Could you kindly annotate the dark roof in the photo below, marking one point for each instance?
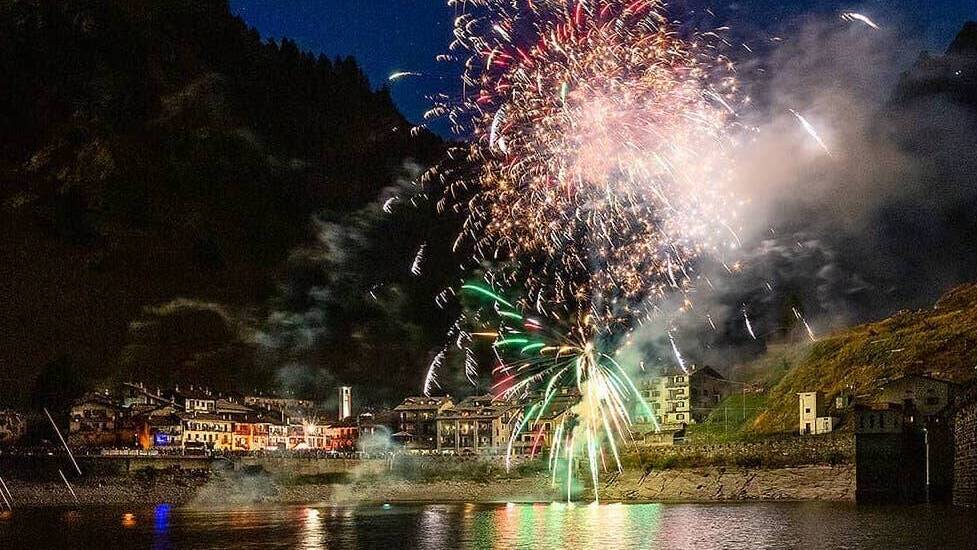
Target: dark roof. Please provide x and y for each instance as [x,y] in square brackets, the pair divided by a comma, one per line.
[202,416]
[98,398]
[345,423]
[193,393]
[164,420]
[708,371]
[422,403]
[225,406]
[877,406]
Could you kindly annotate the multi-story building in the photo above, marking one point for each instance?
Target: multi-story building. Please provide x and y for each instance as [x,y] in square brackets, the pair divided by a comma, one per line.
[162,432]
[928,396]
[232,409]
[418,421]
[812,414]
[676,398]
[192,399]
[476,425]
[538,437]
[214,432]
[95,421]
[342,435]
[278,435]
[246,431]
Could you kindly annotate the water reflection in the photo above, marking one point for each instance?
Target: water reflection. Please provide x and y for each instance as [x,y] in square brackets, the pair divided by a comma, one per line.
[313,534]
[161,527]
[478,526]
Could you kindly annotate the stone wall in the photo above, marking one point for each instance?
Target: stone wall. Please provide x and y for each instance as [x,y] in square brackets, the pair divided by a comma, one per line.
[774,452]
[965,454]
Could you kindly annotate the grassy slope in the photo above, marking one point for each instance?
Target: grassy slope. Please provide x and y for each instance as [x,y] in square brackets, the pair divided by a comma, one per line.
[730,420]
[941,341]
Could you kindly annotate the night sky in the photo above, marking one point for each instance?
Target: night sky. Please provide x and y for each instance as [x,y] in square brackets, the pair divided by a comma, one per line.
[405,35]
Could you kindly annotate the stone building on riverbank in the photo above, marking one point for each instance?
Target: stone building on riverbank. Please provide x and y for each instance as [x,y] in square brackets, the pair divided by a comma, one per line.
[904,444]
[965,452]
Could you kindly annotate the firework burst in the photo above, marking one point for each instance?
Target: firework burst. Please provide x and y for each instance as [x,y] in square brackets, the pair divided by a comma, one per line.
[595,178]
[600,146]
[541,363]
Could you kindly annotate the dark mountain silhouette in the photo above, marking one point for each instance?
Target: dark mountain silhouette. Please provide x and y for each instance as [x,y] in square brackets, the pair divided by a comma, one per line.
[154,151]
[952,75]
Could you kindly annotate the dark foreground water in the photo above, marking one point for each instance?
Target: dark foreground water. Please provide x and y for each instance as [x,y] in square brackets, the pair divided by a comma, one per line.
[543,526]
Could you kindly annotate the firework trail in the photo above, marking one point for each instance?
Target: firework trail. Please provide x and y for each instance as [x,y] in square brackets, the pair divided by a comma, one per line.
[431,379]
[63,442]
[8,502]
[415,267]
[70,488]
[811,131]
[749,325]
[807,327]
[678,355]
[10,496]
[401,74]
[855,16]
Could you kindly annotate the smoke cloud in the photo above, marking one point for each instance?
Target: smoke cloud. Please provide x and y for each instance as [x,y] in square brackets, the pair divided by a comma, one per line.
[876,219]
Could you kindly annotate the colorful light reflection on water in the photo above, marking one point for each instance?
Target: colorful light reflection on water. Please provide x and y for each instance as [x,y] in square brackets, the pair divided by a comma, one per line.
[496,526]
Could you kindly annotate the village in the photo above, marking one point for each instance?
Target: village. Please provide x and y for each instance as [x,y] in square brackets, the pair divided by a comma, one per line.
[910,438]
[197,420]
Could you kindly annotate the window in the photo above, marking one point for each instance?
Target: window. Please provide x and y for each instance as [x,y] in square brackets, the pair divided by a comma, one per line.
[807,410]
[680,416]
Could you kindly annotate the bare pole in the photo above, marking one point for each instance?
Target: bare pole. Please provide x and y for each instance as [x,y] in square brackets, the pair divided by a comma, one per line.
[63,442]
[10,501]
[69,485]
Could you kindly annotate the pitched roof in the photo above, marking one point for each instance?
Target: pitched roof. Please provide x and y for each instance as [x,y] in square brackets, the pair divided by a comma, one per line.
[201,416]
[423,403]
[225,406]
[193,393]
[98,398]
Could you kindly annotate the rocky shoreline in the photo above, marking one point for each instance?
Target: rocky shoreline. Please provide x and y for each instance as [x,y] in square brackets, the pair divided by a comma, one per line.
[706,484]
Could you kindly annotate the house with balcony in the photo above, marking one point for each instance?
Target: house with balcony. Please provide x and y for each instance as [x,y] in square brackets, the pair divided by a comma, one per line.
[537,437]
[342,435]
[676,398]
[95,420]
[478,425]
[214,432]
[417,422]
[277,433]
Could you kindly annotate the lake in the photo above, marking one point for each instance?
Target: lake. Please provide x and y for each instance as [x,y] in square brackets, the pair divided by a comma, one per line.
[530,526]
